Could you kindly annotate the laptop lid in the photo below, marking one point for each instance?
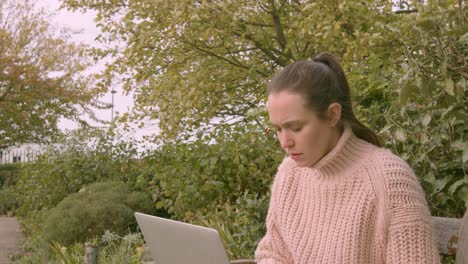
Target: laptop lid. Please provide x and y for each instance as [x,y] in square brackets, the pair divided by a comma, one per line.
[173,242]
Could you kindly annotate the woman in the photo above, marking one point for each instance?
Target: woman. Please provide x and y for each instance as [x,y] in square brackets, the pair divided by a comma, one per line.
[338,197]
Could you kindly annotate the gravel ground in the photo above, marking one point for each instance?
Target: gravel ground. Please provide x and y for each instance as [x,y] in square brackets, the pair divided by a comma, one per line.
[10,238]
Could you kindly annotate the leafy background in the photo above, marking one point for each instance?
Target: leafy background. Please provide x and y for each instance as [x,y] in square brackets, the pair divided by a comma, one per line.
[198,69]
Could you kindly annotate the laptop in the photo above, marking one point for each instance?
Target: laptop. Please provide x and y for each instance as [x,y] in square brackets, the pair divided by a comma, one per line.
[173,242]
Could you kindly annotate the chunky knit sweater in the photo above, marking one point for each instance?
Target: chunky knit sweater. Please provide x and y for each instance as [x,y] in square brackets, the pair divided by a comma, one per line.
[359,204]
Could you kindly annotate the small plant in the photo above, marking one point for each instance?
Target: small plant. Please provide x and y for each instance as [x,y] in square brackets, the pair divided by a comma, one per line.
[112,249]
[121,250]
[64,255]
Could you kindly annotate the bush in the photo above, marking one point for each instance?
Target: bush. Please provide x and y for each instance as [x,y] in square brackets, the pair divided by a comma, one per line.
[8,174]
[89,213]
[8,201]
[423,101]
[213,170]
[60,172]
[221,180]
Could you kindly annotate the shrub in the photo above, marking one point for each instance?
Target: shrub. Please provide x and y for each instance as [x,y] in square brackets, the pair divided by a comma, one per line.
[8,201]
[414,94]
[60,172]
[8,174]
[88,213]
[213,170]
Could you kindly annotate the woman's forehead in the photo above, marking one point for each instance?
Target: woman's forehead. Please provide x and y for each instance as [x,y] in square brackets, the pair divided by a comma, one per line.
[286,100]
[287,107]
[285,97]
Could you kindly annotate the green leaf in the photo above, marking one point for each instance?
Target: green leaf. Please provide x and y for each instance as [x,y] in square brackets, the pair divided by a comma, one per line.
[463,40]
[426,120]
[160,204]
[453,188]
[406,92]
[440,184]
[429,177]
[449,87]
[443,68]
[400,135]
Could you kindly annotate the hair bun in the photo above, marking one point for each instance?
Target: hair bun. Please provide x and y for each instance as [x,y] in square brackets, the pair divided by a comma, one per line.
[325,58]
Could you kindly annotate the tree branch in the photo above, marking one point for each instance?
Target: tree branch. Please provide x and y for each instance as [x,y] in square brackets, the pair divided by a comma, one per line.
[278,26]
[464,74]
[409,11]
[265,50]
[210,53]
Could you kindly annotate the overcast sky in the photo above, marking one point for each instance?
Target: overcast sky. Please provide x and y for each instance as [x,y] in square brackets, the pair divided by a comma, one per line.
[84,31]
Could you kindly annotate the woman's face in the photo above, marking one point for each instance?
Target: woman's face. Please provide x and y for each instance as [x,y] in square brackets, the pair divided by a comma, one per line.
[305,137]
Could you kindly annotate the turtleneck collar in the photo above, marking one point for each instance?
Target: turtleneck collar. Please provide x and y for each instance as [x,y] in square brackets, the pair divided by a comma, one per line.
[346,154]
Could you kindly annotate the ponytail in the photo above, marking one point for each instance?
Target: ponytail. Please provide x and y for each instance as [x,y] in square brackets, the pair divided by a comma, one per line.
[359,129]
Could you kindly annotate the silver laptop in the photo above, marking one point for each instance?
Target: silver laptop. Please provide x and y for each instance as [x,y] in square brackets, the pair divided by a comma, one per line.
[172,242]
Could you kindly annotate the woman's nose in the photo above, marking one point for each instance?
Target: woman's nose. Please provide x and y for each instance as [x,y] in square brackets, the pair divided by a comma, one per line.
[286,141]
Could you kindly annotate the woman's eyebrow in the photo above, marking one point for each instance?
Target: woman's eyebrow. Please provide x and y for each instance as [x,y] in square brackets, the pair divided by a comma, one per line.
[287,124]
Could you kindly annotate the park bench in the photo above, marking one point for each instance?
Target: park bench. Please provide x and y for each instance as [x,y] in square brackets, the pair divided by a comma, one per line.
[451,236]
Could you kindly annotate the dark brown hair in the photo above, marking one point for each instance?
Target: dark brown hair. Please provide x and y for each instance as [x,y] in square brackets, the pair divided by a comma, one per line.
[321,81]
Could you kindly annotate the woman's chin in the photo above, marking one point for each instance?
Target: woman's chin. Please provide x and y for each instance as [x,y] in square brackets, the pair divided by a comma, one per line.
[302,164]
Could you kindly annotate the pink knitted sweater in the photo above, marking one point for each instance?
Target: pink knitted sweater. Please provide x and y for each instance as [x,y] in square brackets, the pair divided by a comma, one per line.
[359,204]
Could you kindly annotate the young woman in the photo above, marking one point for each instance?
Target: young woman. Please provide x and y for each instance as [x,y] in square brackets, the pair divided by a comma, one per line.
[338,197]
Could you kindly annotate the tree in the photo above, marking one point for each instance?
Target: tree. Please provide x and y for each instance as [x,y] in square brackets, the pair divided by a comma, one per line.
[193,63]
[41,77]
[425,120]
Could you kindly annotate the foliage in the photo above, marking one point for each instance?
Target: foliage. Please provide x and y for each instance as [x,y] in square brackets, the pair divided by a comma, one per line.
[200,175]
[220,180]
[241,224]
[193,63]
[200,68]
[96,208]
[8,200]
[41,76]
[122,250]
[8,174]
[83,158]
[64,255]
[113,249]
[425,101]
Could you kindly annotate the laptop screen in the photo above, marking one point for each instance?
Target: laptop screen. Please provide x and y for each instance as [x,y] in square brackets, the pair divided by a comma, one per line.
[173,242]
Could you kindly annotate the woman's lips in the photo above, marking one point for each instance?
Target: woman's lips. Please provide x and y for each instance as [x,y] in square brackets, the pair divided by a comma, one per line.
[295,156]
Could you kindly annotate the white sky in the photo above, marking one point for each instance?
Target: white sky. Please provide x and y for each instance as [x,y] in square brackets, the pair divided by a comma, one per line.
[84,31]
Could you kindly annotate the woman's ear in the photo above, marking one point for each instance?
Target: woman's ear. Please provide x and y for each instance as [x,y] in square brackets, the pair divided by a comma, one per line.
[334,114]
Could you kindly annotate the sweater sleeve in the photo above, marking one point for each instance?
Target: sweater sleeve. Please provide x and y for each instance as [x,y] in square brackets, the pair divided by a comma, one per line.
[410,231]
[272,249]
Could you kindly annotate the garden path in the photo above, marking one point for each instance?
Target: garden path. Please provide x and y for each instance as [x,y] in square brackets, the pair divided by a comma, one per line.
[10,238]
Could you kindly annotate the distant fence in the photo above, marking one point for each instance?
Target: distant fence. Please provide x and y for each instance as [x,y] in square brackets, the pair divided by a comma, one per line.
[18,155]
